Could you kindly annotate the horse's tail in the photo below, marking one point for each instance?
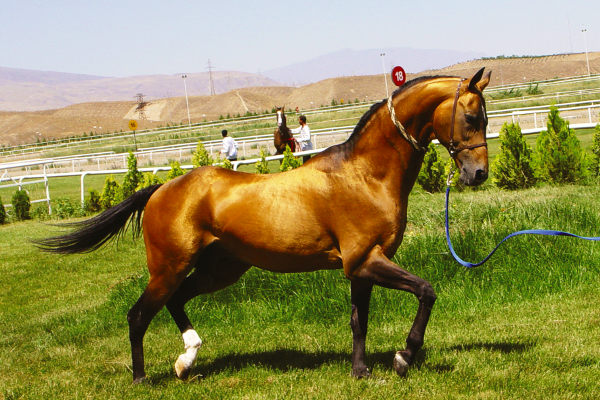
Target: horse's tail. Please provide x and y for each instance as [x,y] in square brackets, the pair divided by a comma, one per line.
[92,233]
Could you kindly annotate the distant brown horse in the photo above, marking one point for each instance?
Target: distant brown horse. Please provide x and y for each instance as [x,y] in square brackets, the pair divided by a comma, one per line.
[283,136]
[202,234]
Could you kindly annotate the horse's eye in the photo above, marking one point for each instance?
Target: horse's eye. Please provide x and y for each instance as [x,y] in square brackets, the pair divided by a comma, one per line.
[471,119]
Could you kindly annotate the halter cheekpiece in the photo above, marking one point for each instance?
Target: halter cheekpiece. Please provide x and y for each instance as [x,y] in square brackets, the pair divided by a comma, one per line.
[452,148]
[452,145]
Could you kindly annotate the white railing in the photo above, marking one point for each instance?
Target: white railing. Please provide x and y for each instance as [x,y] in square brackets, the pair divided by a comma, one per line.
[528,117]
[19,184]
[247,146]
[25,180]
[531,120]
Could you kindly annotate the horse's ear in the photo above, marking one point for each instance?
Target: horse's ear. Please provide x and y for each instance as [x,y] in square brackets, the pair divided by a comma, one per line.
[477,83]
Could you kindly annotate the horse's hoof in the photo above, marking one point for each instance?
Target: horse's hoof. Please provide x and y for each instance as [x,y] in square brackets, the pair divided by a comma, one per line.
[400,364]
[360,373]
[138,380]
[182,368]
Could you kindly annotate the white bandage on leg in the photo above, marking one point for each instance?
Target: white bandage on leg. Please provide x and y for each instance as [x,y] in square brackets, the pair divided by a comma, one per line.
[192,343]
[191,339]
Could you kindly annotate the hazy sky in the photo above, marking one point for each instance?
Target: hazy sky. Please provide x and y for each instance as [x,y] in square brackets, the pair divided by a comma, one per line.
[126,37]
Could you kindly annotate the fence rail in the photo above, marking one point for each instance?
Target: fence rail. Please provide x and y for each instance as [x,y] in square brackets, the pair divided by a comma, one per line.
[25,179]
[531,119]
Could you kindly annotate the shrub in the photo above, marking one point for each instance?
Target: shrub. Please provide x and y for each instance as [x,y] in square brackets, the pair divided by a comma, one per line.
[201,157]
[21,205]
[40,212]
[92,204]
[531,90]
[559,156]
[595,164]
[111,193]
[227,164]
[289,161]
[175,170]
[513,166]
[149,179]
[262,167]
[132,177]
[2,212]
[507,94]
[432,174]
[64,208]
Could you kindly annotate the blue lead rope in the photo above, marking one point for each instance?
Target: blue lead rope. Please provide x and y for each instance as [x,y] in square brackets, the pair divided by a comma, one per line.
[524,232]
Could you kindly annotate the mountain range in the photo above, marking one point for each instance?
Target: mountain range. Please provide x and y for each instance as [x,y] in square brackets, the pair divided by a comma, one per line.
[30,90]
[87,116]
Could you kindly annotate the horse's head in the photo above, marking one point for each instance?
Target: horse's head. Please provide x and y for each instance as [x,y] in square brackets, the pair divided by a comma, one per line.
[460,123]
[281,121]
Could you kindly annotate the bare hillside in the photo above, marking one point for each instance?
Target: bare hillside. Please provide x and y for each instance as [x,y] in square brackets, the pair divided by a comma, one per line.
[24,127]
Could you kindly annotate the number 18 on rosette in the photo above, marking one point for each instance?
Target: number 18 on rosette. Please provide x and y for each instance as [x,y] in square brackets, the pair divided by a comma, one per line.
[398,75]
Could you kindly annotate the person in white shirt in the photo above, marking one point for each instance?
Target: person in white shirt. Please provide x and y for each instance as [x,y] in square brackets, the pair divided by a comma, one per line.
[303,136]
[229,149]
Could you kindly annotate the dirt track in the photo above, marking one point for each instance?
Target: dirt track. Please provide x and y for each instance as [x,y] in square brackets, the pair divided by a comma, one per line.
[23,127]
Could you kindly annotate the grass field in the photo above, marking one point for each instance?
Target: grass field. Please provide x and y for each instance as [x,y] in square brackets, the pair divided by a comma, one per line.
[524,326]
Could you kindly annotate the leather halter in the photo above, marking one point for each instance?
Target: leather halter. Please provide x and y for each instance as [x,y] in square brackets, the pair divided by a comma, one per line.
[452,148]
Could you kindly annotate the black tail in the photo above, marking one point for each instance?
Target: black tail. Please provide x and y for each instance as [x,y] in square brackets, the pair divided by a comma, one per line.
[92,233]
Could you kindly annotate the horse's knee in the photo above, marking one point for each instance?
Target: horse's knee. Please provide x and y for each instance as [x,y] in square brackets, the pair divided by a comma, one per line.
[426,294]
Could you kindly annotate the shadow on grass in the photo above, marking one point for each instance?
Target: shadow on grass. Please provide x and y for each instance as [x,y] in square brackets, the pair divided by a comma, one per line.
[503,347]
[284,360]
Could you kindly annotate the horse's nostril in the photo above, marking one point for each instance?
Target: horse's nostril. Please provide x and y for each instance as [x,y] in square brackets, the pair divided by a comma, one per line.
[481,175]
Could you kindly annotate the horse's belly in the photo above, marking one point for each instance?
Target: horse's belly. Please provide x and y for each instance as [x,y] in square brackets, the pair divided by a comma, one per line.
[282,257]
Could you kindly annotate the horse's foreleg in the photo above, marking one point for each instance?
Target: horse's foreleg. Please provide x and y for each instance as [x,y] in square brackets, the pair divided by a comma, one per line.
[381,271]
[205,279]
[360,298]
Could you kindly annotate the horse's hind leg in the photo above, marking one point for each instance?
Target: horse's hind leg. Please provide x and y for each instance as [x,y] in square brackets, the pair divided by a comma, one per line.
[378,269]
[155,296]
[205,279]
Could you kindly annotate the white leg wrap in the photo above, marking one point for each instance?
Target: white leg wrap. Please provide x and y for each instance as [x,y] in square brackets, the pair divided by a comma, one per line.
[192,343]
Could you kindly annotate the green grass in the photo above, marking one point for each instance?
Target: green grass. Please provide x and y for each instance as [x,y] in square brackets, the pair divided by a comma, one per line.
[525,325]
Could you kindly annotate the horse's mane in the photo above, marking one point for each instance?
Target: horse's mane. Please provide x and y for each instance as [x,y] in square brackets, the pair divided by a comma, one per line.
[343,150]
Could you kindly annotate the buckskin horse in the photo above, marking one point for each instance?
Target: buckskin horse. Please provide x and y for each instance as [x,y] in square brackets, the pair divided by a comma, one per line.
[202,233]
[283,136]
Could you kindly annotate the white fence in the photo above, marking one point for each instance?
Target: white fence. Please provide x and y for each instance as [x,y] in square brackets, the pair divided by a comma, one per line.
[37,178]
[531,119]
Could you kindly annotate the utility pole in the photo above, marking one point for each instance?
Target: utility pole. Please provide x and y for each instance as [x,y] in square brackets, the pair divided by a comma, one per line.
[184,76]
[587,60]
[210,77]
[387,92]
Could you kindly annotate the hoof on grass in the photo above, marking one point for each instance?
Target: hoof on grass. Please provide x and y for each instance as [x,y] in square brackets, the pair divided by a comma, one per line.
[182,367]
[400,364]
[360,373]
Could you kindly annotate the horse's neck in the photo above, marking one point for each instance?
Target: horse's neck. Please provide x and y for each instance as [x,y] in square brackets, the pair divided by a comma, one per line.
[389,156]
